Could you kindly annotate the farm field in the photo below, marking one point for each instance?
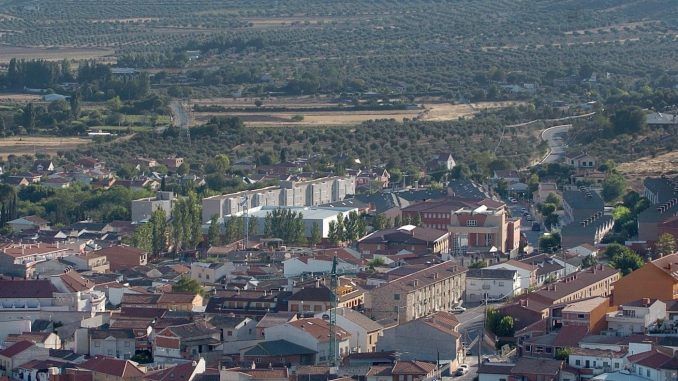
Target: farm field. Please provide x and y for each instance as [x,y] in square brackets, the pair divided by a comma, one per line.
[30,145]
[55,53]
[437,112]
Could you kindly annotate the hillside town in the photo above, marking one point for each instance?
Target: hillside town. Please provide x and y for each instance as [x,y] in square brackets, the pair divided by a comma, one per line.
[349,276]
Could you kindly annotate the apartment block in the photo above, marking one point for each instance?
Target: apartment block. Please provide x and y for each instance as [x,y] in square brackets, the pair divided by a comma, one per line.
[289,193]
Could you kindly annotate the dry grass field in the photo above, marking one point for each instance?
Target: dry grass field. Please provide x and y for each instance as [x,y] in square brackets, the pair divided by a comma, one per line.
[30,145]
[54,54]
[429,111]
[635,171]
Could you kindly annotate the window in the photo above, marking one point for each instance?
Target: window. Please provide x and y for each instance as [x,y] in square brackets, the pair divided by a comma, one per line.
[501,284]
[396,296]
[471,223]
[549,349]
[207,276]
[616,365]
[229,333]
[577,362]
[581,316]
[528,348]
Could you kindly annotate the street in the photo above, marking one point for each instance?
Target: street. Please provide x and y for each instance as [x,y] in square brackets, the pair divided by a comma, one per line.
[554,137]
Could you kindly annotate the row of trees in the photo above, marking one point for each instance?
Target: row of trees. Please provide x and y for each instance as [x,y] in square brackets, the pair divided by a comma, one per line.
[348,228]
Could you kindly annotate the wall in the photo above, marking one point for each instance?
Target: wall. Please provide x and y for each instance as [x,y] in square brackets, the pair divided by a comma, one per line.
[656,284]
[418,341]
[14,327]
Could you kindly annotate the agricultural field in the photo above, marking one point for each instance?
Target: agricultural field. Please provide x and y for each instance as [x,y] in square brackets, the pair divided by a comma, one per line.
[32,145]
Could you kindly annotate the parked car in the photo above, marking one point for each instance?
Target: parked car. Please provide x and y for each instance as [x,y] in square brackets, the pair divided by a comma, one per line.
[513,200]
[462,370]
[528,218]
[536,227]
[458,309]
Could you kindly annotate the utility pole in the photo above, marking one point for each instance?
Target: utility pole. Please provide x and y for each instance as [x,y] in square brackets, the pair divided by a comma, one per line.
[246,212]
[332,360]
[481,335]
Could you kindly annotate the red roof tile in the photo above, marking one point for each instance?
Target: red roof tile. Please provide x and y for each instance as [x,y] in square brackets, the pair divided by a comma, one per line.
[16,348]
[111,366]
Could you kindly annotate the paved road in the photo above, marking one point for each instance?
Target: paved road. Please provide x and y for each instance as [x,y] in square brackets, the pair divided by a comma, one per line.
[554,138]
[180,116]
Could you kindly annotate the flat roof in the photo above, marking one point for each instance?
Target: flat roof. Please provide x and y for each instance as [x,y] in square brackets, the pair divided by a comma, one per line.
[307,212]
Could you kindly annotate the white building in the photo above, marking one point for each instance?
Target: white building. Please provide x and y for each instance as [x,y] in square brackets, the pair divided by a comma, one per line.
[527,274]
[319,264]
[493,283]
[598,361]
[636,317]
[311,333]
[311,215]
[143,208]
[204,272]
[364,331]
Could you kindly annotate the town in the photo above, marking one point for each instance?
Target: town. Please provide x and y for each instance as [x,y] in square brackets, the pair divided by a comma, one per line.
[318,278]
[307,190]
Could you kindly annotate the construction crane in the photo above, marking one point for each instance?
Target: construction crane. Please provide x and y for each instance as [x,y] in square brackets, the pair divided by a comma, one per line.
[332,353]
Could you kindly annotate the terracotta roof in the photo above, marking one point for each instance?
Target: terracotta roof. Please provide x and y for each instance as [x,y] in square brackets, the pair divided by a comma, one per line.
[531,366]
[668,264]
[654,359]
[118,333]
[18,251]
[44,364]
[271,319]
[413,368]
[444,322]
[26,289]
[318,328]
[111,366]
[263,373]
[570,335]
[145,299]
[34,337]
[16,348]
[495,368]
[380,371]
[75,282]
[177,297]
[181,372]
[316,294]
[167,342]
[574,283]
[425,277]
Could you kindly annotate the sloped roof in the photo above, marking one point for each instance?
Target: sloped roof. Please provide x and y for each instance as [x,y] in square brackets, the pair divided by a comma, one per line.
[112,366]
[319,329]
[412,367]
[16,348]
[180,372]
[654,359]
[316,294]
[356,317]
[278,348]
[668,264]
[26,289]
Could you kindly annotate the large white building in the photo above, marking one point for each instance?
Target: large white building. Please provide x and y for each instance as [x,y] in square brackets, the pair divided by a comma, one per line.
[322,216]
[289,193]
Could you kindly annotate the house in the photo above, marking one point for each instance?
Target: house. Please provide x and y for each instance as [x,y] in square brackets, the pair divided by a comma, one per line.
[549,268]
[418,240]
[26,293]
[92,261]
[172,163]
[17,181]
[112,369]
[28,223]
[494,371]
[321,263]
[254,374]
[597,361]
[403,370]
[661,217]
[187,371]
[204,272]
[40,370]
[636,317]
[20,260]
[173,301]
[89,163]
[119,342]
[527,273]
[659,190]
[493,284]
[508,175]
[272,319]
[524,369]
[589,313]
[319,298]
[47,340]
[548,345]
[364,331]
[312,333]
[377,179]
[590,230]
[247,303]
[582,160]
[278,352]
[661,119]
[20,353]
[443,161]
[658,277]
[56,182]
[431,338]
[395,301]
[234,328]
[656,364]
[121,257]
[43,166]
[186,341]
[142,209]
[583,250]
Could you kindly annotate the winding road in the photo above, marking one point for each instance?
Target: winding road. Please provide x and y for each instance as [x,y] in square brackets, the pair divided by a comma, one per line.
[554,138]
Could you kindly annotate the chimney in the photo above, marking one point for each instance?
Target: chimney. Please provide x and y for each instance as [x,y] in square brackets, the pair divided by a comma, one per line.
[415,282]
[646,302]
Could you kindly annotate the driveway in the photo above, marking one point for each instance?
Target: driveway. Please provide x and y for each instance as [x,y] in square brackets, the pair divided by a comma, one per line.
[554,138]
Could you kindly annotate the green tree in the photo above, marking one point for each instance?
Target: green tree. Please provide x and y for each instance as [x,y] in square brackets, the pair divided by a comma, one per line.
[563,354]
[629,120]
[552,198]
[376,262]
[159,226]
[186,284]
[665,245]
[316,235]
[549,242]
[142,237]
[627,262]
[379,222]
[614,249]
[332,233]
[589,261]
[478,265]
[613,187]
[416,221]
[183,169]
[506,327]
[214,232]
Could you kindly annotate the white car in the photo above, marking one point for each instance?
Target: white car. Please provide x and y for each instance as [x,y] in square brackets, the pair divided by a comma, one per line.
[512,200]
[462,370]
[458,309]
